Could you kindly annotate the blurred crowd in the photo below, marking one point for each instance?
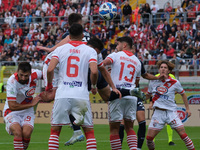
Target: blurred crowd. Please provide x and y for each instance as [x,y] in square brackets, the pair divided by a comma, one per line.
[179,39]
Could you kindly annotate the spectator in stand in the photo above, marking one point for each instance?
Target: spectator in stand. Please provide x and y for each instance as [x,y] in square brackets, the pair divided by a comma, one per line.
[19,7]
[177,61]
[18,30]
[146,13]
[56,5]
[8,30]
[154,9]
[171,38]
[61,12]
[15,41]
[185,3]
[8,40]
[126,11]
[31,49]
[179,13]
[167,27]
[190,15]
[190,6]
[103,36]
[177,45]
[162,55]
[137,15]
[45,5]
[189,51]
[15,57]
[193,64]
[111,30]
[170,52]
[196,8]
[197,37]
[160,27]
[167,11]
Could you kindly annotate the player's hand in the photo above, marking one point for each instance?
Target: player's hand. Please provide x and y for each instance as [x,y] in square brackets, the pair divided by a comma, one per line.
[49,87]
[94,90]
[117,92]
[36,100]
[188,113]
[162,77]
[46,49]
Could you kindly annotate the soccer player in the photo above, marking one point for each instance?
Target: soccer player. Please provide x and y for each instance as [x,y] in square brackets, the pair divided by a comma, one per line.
[18,110]
[163,93]
[125,70]
[72,96]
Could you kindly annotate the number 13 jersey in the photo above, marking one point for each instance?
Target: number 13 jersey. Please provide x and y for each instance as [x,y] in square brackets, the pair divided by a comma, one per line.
[125,68]
[74,58]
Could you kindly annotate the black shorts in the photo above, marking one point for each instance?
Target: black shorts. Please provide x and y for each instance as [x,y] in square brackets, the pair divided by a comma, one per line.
[101,82]
[140,105]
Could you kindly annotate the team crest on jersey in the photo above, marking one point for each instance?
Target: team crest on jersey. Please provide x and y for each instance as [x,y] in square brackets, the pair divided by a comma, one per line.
[182,114]
[161,89]
[29,93]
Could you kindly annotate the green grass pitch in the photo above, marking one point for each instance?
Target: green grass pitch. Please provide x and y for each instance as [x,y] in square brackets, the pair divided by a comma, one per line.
[39,139]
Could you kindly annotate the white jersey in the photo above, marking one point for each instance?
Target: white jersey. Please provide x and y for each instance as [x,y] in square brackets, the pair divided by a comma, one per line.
[99,60]
[45,67]
[74,58]
[164,93]
[125,68]
[21,93]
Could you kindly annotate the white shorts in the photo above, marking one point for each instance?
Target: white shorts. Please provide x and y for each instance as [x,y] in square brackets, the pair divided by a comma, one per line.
[79,108]
[161,117]
[123,108]
[55,77]
[24,118]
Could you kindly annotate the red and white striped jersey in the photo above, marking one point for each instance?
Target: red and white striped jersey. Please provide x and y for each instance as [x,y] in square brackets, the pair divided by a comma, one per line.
[164,93]
[74,58]
[125,68]
[21,93]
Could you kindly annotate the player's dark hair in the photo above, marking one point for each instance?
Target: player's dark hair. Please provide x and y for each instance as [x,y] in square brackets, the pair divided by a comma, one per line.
[24,66]
[76,30]
[169,64]
[74,18]
[94,42]
[126,39]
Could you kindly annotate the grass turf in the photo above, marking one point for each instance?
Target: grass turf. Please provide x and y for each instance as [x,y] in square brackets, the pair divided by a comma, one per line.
[39,139]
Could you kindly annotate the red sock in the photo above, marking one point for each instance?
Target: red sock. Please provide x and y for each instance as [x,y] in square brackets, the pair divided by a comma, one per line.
[150,143]
[26,142]
[115,142]
[91,141]
[132,140]
[18,143]
[188,141]
[54,140]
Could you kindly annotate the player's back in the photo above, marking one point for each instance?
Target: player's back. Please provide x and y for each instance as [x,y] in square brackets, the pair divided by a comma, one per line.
[125,69]
[74,59]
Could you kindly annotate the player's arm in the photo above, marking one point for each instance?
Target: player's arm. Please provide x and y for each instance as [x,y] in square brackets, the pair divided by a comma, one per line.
[107,61]
[108,79]
[50,72]
[185,100]
[93,76]
[14,106]
[64,41]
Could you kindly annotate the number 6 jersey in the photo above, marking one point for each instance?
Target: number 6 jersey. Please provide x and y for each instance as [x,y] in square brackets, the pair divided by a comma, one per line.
[74,58]
[125,68]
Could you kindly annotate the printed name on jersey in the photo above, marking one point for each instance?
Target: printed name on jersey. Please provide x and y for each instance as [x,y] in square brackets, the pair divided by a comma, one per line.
[182,114]
[75,51]
[128,59]
[73,84]
[29,93]
[124,85]
[161,90]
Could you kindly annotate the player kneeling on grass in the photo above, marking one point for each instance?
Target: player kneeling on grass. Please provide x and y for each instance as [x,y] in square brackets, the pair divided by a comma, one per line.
[72,96]
[18,110]
[163,94]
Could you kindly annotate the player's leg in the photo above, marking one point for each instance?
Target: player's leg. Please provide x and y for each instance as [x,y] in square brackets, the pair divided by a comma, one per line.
[177,124]
[170,135]
[131,135]
[54,137]
[27,131]
[140,114]
[121,131]
[151,134]
[188,142]
[114,135]
[88,129]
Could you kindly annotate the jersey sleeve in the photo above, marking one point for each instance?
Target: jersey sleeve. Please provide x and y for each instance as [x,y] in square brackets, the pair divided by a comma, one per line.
[93,56]
[56,53]
[37,73]
[111,57]
[150,88]
[99,60]
[11,91]
[179,88]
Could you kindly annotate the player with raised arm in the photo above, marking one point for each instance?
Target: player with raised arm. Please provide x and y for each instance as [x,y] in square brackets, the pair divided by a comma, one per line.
[74,59]
[18,110]
[163,94]
[125,70]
